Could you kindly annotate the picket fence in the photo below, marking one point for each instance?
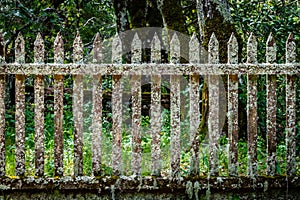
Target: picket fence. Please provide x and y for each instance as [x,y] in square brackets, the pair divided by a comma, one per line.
[136,70]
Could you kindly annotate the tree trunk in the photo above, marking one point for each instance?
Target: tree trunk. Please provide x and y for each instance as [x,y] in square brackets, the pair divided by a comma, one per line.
[214,17]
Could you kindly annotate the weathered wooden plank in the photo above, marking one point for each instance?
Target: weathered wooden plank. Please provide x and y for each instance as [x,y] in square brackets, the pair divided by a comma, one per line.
[194,52]
[175,109]
[136,108]
[233,109]
[2,125]
[39,108]
[78,108]
[2,49]
[117,124]
[252,108]
[2,109]
[97,109]
[290,109]
[149,69]
[117,109]
[58,86]
[214,107]
[20,108]
[155,109]
[271,108]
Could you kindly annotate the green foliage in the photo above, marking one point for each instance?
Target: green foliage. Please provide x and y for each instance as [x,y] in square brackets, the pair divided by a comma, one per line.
[264,17]
[51,17]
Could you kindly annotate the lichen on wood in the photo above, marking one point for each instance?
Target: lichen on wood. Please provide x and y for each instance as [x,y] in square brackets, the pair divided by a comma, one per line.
[97,110]
[214,107]
[271,108]
[117,124]
[20,108]
[290,109]
[252,108]
[155,110]
[233,108]
[2,109]
[136,164]
[78,108]
[58,86]
[175,109]
[39,108]
[194,53]
[2,48]
[2,125]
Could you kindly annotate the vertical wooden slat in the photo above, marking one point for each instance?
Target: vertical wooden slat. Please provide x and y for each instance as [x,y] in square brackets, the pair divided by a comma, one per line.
[97,109]
[58,108]
[20,108]
[78,108]
[271,108]
[155,109]
[290,109]
[252,108]
[2,109]
[175,108]
[136,108]
[117,109]
[194,53]
[214,107]
[233,108]
[39,108]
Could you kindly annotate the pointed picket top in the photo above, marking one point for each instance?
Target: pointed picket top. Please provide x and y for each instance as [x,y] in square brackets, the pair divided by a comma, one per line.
[175,49]
[232,49]
[290,49]
[77,49]
[155,49]
[39,50]
[213,49]
[270,49]
[116,54]
[97,49]
[136,49]
[194,49]
[20,49]
[252,49]
[2,48]
[58,49]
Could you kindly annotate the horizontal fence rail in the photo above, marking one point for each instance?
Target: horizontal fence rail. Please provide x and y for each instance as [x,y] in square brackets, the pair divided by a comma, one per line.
[156,71]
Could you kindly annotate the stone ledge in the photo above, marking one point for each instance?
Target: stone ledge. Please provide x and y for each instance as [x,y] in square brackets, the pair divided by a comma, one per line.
[135,183]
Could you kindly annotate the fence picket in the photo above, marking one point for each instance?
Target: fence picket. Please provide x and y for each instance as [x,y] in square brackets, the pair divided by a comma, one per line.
[175,108]
[20,108]
[194,48]
[214,107]
[155,109]
[2,109]
[136,107]
[39,108]
[271,108]
[78,108]
[252,108]
[233,108]
[97,109]
[117,109]
[116,70]
[58,86]
[290,109]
